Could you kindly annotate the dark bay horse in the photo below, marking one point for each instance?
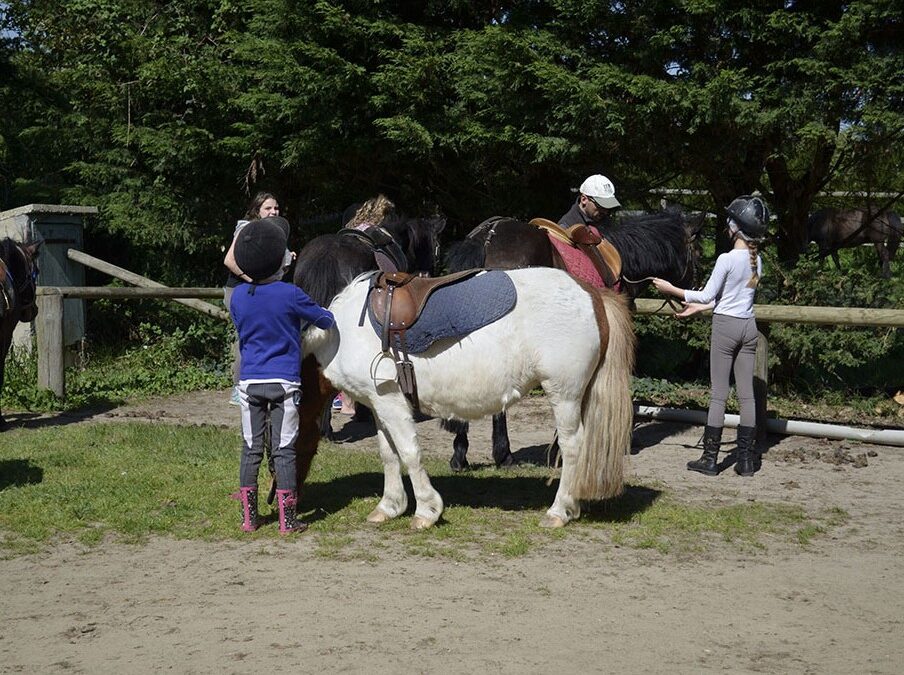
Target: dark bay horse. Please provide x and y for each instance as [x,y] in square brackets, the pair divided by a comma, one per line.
[326,265]
[650,245]
[832,229]
[18,294]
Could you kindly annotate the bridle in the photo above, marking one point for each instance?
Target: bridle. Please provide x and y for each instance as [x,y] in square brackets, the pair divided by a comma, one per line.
[26,289]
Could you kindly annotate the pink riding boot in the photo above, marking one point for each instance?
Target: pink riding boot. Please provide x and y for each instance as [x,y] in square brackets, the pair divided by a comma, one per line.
[248,497]
[288,523]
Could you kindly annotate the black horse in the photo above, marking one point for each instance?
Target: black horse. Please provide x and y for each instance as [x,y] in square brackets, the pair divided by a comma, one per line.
[650,245]
[832,229]
[18,294]
[326,265]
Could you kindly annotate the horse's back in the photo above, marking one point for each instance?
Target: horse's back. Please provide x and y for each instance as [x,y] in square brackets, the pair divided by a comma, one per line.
[832,228]
[550,336]
[516,244]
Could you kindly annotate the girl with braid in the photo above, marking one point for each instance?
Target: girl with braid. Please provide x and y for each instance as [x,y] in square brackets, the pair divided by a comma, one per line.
[729,293]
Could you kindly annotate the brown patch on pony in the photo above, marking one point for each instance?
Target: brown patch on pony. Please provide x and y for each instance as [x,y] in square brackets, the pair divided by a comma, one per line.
[316,392]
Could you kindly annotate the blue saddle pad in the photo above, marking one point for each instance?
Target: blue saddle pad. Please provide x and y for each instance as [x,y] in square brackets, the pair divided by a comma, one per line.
[458,309]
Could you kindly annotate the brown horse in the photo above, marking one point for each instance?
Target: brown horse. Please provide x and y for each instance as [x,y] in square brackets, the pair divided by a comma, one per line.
[832,229]
[18,294]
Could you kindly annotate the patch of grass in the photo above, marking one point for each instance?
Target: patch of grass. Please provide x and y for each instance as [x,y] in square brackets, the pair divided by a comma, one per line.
[129,481]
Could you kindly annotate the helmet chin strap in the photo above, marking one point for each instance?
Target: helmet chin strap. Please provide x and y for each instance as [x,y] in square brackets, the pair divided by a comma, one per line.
[736,231]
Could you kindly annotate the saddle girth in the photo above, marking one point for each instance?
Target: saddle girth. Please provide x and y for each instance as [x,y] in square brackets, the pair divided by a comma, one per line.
[396,300]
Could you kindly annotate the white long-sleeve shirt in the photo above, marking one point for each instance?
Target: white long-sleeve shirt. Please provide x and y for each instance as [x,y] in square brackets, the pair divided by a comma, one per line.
[727,285]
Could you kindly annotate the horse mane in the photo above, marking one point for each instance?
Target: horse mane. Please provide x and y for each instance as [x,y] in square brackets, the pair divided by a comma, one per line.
[329,263]
[418,239]
[7,254]
[652,245]
[464,255]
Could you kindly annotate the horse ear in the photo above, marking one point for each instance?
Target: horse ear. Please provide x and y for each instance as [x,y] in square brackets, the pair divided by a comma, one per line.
[438,223]
[34,247]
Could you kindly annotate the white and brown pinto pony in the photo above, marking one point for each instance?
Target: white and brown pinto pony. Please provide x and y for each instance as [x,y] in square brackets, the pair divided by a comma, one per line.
[575,341]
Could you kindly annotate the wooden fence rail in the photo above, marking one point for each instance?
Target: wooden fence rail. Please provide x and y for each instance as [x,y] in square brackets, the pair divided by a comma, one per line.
[51,365]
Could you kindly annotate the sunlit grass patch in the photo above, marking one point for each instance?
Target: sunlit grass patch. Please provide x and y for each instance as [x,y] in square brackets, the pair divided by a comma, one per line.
[127,481]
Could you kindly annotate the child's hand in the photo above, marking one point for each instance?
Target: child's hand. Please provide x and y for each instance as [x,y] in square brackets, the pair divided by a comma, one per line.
[664,286]
[691,308]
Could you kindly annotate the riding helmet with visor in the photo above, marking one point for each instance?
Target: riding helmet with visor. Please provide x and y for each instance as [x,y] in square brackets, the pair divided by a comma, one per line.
[750,215]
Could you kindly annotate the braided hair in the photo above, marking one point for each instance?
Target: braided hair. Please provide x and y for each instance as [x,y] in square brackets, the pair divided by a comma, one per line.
[753,247]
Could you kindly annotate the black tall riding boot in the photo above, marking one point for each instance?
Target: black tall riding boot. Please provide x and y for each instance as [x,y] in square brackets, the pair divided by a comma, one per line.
[747,455]
[708,462]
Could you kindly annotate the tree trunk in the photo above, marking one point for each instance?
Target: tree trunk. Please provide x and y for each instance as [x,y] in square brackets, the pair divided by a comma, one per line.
[792,198]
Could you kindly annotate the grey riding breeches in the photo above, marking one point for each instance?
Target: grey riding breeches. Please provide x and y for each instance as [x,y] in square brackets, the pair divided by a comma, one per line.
[732,347]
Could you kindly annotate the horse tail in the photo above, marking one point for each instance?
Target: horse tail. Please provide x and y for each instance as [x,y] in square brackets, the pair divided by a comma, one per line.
[465,255]
[607,411]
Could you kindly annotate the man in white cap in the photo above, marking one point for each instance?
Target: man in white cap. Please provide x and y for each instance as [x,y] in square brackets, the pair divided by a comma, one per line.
[594,203]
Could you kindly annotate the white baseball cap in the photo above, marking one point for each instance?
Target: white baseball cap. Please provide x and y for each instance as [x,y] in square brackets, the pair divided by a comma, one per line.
[601,190]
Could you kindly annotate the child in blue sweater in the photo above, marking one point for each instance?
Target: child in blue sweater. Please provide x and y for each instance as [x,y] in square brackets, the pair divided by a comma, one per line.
[270,316]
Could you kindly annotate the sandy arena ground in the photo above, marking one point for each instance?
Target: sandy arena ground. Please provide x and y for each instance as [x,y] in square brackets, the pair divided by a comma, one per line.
[573,607]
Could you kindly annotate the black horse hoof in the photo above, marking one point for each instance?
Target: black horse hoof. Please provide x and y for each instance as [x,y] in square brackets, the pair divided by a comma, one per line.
[457,466]
[505,462]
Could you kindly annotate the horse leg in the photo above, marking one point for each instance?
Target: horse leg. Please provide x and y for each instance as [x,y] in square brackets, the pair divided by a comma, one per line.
[459,460]
[4,348]
[836,260]
[395,418]
[326,416]
[568,423]
[502,453]
[884,259]
[394,501]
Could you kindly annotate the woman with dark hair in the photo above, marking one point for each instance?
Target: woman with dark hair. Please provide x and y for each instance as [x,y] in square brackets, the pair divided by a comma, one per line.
[264,205]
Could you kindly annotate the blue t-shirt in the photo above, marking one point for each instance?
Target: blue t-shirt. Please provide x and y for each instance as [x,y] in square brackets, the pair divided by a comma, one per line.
[268,318]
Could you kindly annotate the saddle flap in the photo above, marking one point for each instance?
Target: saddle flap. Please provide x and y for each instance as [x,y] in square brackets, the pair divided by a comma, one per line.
[393,306]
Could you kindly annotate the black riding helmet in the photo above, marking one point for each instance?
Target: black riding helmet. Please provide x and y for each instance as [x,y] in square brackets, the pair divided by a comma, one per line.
[751,215]
[260,247]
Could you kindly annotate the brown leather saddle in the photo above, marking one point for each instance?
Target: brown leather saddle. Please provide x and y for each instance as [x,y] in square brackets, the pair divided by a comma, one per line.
[601,253]
[396,300]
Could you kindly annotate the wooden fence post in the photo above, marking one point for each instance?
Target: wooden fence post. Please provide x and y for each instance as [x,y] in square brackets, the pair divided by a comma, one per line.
[49,324]
[760,383]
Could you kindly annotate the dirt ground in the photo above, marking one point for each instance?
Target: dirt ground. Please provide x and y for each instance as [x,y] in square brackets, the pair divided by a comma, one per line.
[836,606]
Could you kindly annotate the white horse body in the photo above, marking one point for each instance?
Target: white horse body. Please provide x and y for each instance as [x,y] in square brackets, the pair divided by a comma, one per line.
[550,338]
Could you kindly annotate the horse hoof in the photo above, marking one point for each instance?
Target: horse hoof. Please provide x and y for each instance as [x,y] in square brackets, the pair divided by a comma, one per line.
[506,462]
[419,523]
[552,521]
[377,516]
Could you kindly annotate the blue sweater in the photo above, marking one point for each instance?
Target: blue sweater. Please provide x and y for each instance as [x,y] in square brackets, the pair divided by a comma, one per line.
[268,319]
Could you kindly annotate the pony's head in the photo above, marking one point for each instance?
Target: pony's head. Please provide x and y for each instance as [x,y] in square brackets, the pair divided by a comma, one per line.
[20,263]
[419,239]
